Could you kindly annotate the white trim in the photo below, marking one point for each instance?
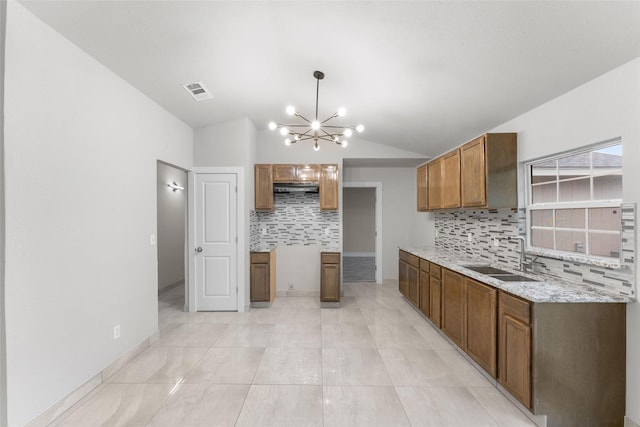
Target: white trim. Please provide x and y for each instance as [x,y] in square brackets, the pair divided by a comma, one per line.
[359,254]
[239,172]
[378,253]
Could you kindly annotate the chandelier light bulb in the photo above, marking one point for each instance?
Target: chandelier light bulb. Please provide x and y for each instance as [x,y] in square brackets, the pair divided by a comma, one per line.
[316,146]
[287,142]
[272,125]
[360,128]
[342,111]
[297,137]
[291,110]
[344,143]
[315,125]
[347,132]
[284,131]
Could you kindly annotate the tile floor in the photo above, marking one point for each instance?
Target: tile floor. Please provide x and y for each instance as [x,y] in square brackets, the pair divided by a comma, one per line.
[373,362]
[359,269]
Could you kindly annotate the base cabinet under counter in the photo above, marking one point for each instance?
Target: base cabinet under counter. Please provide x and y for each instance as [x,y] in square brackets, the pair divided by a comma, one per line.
[262,278]
[330,279]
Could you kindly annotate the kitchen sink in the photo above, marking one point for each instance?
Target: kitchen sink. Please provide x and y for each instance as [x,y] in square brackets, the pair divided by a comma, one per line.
[485,269]
[512,278]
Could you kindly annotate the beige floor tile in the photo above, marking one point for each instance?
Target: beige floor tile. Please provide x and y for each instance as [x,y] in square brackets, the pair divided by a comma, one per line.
[381,315]
[397,335]
[355,406]
[282,405]
[342,315]
[504,412]
[160,365]
[302,302]
[443,406]
[246,335]
[227,365]
[346,366]
[259,315]
[172,314]
[416,367]
[290,366]
[433,337]
[298,336]
[346,336]
[211,405]
[214,317]
[119,405]
[190,335]
[468,374]
[296,315]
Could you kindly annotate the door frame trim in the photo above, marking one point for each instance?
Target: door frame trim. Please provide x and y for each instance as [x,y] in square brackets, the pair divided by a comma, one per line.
[378,209]
[240,224]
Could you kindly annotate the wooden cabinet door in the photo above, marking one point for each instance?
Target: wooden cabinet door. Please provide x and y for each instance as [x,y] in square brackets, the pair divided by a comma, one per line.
[515,358]
[473,173]
[307,172]
[481,331]
[329,188]
[263,188]
[413,284]
[453,306]
[259,282]
[421,185]
[330,283]
[451,180]
[435,301]
[434,184]
[403,275]
[424,293]
[284,173]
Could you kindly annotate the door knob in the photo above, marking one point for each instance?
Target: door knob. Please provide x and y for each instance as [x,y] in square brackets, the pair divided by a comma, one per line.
[199,249]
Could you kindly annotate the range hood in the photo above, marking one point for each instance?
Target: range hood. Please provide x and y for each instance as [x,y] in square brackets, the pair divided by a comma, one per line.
[296,187]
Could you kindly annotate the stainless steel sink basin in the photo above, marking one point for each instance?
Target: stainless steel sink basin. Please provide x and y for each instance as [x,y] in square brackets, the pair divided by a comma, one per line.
[485,269]
[512,278]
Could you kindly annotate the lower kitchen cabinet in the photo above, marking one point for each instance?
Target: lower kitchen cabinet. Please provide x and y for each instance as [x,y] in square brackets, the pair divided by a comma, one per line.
[423,292]
[435,294]
[453,306]
[480,324]
[330,277]
[263,278]
[409,277]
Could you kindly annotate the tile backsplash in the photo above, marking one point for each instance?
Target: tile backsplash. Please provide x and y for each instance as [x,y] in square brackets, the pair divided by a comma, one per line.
[295,220]
[454,226]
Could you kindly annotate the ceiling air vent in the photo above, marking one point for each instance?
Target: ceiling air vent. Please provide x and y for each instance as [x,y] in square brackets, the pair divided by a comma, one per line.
[198,90]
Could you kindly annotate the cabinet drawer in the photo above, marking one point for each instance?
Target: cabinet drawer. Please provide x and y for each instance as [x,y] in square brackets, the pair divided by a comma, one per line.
[515,307]
[260,257]
[435,270]
[410,259]
[330,258]
[424,265]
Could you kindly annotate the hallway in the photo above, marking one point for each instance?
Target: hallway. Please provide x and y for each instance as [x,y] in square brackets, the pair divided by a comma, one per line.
[374,362]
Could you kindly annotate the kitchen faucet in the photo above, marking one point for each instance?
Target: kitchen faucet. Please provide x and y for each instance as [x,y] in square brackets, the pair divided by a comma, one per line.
[524,263]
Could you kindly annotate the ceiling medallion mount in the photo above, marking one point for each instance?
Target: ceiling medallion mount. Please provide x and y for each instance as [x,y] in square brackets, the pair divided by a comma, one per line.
[315,130]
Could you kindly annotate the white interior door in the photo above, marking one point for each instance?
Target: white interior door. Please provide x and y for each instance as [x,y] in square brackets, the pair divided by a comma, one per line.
[216,242]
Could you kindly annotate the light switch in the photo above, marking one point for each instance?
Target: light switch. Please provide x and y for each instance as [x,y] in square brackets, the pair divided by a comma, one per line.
[469,237]
[152,240]
[264,231]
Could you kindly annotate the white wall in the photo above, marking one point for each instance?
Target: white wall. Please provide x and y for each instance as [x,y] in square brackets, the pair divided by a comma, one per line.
[3,352]
[604,108]
[171,225]
[81,148]
[359,220]
[231,144]
[402,225]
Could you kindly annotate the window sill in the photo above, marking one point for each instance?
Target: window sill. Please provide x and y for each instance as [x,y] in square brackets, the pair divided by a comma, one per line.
[614,264]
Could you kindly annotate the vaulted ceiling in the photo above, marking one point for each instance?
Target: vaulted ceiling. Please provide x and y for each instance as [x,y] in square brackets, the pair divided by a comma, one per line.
[421,75]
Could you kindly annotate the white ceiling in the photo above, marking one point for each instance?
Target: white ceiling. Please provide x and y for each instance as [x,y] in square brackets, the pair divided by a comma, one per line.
[421,75]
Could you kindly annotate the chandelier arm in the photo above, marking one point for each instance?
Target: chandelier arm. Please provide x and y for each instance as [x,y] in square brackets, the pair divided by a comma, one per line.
[294,126]
[306,138]
[303,118]
[329,118]
[339,127]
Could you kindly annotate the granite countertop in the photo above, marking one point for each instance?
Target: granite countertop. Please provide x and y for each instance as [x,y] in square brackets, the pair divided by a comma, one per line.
[261,248]
[544,290]
[330,248]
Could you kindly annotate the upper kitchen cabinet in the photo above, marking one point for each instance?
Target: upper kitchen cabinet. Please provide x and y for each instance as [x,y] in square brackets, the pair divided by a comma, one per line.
[308,172]
[263,187]
[284,173]
[488,171]
[295,173]
[434,184]
[421,185]
[329,187]
[451,180]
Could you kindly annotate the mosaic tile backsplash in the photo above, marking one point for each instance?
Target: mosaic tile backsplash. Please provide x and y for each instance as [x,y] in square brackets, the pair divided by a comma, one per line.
[454,226]
[295,220]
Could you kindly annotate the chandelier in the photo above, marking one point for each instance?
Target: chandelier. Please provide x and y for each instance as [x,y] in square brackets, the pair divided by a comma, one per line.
[315,130]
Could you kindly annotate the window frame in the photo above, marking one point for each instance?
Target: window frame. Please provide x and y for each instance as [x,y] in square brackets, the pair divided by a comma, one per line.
[530,207]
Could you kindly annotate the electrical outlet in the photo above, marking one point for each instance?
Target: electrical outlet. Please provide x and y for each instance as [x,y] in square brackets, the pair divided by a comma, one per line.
[496,242]
[469,237]
[152,240]
[326,231]
[437,234]
[116,332]
[290,286]
[264,231]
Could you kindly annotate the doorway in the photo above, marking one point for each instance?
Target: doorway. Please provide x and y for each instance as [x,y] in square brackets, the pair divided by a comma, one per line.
[362,235]
[171,233]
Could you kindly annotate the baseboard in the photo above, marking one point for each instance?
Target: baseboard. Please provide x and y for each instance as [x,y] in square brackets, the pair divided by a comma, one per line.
[297,293]
[170,287]
[75,396]
[629,423]
[359,254]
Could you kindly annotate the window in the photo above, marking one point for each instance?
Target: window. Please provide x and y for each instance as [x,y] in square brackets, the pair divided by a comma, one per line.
[574,201]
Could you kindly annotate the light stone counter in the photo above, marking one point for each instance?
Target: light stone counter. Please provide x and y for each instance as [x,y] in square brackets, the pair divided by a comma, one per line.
[545,290]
